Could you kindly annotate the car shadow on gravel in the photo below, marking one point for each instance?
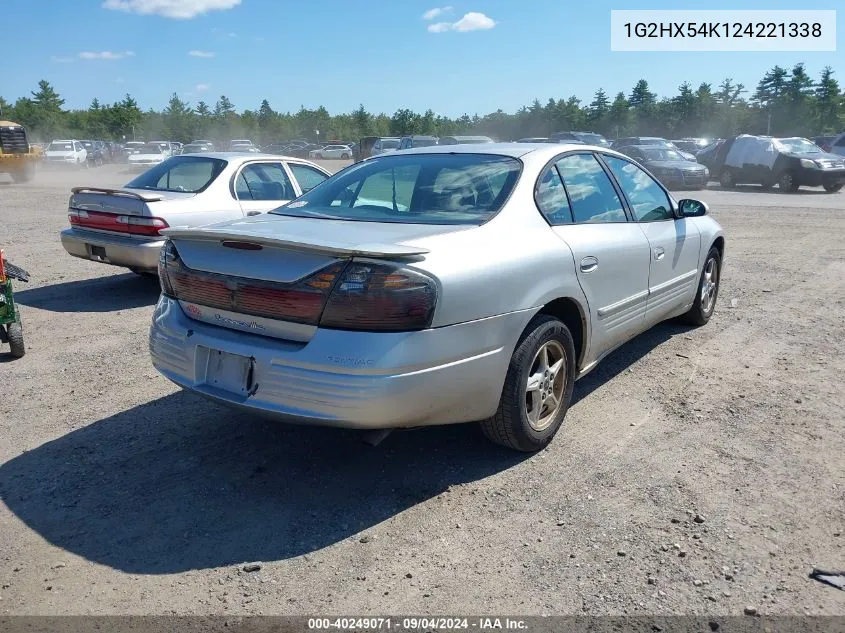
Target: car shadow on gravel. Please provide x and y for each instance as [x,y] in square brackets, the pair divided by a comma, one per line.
[101,294]
[621,359]
[179,483]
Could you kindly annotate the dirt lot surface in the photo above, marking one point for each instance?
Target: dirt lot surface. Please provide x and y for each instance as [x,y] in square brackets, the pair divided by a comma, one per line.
[122,494]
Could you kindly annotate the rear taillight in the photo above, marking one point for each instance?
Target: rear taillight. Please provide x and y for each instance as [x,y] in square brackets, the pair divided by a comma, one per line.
[371,296]
[379,297]
[131,224]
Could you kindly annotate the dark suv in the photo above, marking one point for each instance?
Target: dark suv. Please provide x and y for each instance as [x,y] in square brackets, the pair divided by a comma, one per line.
[788,162]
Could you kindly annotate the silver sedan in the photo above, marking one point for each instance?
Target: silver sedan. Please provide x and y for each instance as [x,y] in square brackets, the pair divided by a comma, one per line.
[122,227]
[433,286]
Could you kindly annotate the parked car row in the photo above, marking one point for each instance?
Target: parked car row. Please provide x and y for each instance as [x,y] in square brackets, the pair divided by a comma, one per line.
[81,153]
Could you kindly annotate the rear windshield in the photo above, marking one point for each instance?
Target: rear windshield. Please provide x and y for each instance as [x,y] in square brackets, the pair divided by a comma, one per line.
[423,142]
[413,189]
[660,153]
[189,174]
[195,148]
[390,143]
[60,147]
[590,139]
[151,148]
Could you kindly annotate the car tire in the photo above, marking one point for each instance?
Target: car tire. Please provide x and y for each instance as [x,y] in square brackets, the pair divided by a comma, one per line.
[786,182]
[519,424]
[833,188]
[344,156]
[726,179]
[707,290]
[14,332]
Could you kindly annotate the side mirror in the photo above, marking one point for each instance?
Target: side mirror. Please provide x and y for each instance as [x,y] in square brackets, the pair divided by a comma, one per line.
[689,208]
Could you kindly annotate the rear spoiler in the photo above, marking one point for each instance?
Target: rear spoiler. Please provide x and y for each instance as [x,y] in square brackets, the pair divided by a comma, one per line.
[377,250]
[146,197]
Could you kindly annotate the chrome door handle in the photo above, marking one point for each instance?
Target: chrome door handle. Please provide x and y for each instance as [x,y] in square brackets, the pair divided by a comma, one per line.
[589,264]
[253,212]
[659,253]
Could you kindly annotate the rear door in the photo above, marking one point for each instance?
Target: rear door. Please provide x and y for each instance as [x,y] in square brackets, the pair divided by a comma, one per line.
[262,186]
[611,253]
[675,243]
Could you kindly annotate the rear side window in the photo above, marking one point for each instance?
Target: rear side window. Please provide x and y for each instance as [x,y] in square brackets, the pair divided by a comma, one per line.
[264,181]
[591,193]
[551,198]
[414,189]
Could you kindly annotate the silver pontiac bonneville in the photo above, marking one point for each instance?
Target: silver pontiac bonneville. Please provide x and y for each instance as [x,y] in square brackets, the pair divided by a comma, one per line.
[432,286]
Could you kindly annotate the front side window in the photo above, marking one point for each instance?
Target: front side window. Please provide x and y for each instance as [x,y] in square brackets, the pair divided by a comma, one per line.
[190,174]
[263,181]
[306,176]
[649,202]
[591,193]
[551,198]
[414,189]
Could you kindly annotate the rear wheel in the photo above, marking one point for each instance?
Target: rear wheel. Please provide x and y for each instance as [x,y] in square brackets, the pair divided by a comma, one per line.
[726,179]
[14,332]
[786,182]
[538,387]
[708,290]
[344,156]
[833,188]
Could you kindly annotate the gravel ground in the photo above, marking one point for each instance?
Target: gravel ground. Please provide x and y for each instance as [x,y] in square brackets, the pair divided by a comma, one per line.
[698,472]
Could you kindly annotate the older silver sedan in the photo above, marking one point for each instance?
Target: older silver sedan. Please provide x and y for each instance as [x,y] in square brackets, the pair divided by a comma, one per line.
[122,227]
[434,286]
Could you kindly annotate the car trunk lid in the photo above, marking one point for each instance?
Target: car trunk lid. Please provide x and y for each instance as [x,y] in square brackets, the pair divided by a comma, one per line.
[126,211]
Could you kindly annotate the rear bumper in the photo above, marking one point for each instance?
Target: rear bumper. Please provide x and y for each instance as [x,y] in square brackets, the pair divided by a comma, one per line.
[350,379]
[119,250]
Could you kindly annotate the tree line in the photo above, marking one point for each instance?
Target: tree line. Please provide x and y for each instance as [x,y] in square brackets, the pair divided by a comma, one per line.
[784,103]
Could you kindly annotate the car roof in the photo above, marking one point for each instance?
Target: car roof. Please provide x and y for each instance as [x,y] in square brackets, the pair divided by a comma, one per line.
[236,157]
[512,150]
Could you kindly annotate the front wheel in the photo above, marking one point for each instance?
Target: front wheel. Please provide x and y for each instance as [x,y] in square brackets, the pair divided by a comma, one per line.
[726,179]
[833,188]
[708,290]
[14,332]
[786,182]
[538,387]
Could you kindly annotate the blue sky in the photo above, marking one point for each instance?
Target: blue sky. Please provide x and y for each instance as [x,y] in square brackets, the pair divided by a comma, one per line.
[339,53]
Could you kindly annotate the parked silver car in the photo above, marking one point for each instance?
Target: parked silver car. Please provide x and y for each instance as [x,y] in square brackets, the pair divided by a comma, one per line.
[434,285]
[122,227]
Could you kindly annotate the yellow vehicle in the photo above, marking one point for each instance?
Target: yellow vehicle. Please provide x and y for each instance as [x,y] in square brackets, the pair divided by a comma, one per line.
[17,157]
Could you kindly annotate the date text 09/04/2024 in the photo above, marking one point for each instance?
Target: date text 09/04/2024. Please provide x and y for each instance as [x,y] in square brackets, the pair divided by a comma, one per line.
[416,624]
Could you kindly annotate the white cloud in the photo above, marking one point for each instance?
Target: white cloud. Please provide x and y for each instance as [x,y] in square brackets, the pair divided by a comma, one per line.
[202,87]
[105,54]
[62,60]
[436,12]
[470,22]
[201,53]
[175,9]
